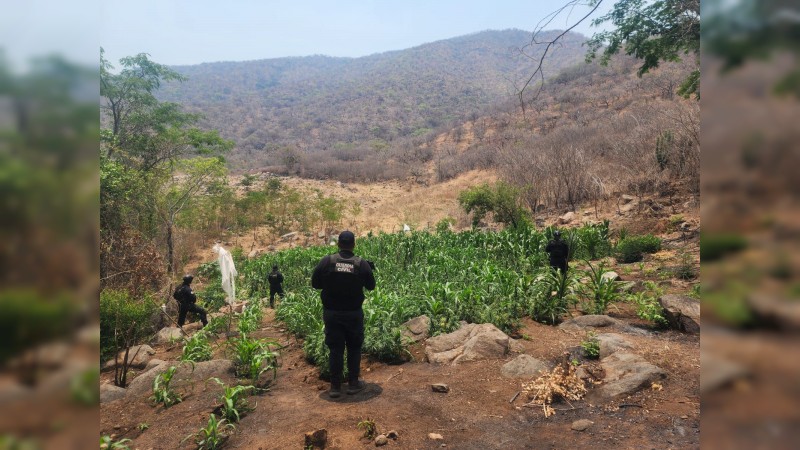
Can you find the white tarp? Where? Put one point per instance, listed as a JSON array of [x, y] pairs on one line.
[[228, 271]]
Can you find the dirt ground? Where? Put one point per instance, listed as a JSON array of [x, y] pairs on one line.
[[475, 414]]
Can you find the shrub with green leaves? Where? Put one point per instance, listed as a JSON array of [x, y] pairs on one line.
[[253, 357], [124, 322], [553, 294], [214, 435], [234, 404], [632, 248], [600, 292], [714, 246], [647, 306], [197, 347], [591, 345], [109, 443], [162, 392]]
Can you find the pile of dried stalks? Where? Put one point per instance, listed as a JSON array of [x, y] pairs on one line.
[[560, 383]]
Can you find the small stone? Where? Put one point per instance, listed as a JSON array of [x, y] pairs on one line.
[[440, 387], [381, 440], [582, 424], [392, 434], [435, 437]]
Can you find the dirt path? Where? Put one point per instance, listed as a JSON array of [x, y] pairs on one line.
[[475, 414]]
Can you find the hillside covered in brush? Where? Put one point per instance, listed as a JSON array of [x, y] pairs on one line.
[[277, 110]]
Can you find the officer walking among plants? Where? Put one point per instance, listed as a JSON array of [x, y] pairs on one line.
[[342, 277], [558, 251], [187, 302], [275, 279]]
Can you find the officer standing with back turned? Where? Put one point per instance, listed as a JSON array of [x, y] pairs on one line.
[[342, 277]]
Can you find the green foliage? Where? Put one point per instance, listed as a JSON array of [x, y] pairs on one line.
[[234, 404], [657, 31], [214, 435], [197, 348], [594, 241], [253, 357], [685, 269], [600, 292], [83, 387], [250, 318], [162, 392], [632, 248], [109, 443], [715, 246], [502, 200], [591, 345], [27, 318], [124, 322], [553, 294], [647, 306], [444, 225], [370, 428]]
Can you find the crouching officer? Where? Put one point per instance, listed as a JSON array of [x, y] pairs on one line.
[[558, 251], [187, 302], [342, 277]]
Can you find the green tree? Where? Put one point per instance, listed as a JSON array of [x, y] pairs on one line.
[[502, 200], [664, 30]]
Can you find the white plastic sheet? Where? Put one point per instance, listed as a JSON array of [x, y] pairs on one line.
[[228, 271]]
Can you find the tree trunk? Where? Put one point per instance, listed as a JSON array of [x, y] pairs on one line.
[[170, 250]]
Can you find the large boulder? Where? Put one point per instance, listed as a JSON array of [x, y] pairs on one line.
[[138, 357], [785, 314], [626, 373], [109, 392], [186, 374], [682, 312], [566, 218], [610, 275], [717, 372], [168, 335], [417, 329], [611, 343], [524, 366], [471, 342]]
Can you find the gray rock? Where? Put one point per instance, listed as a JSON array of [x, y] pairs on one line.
[[581, 424], [185, 374], [435, 436], [717, 372], [626, 373], [515, 345], [153, 363], [591, 320], [471, 342], [682, 312], [774, 310], [289, 236], [524, 366], [417, 329], [566, 218], [611, 343], [138, 357], [610, 275], [109, 392], [381, 440], [440, 387], [168, 334]]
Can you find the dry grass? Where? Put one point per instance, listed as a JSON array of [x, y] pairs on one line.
[[560, 383]]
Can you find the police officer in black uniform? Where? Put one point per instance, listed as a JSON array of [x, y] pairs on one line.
[[275, 279], [343, 277], [558, 251], [187, 302]]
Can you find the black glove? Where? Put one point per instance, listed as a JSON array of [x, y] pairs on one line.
[[371, 264]]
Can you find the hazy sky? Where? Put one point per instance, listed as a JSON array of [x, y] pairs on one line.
[[191, 32]]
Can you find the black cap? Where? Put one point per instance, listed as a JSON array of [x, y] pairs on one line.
[[557, 233], [187, 279], [275, 267], [347, 238]]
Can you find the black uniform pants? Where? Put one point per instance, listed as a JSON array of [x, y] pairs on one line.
[[344, 329], [272, 292], [191, 307], [562, 265]]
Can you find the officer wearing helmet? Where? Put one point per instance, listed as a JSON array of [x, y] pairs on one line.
[[558, 251], [187, 302]]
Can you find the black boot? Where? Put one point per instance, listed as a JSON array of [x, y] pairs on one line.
[[336, 390], [354, 387]]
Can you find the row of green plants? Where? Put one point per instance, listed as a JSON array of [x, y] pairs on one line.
[[473, 276]]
